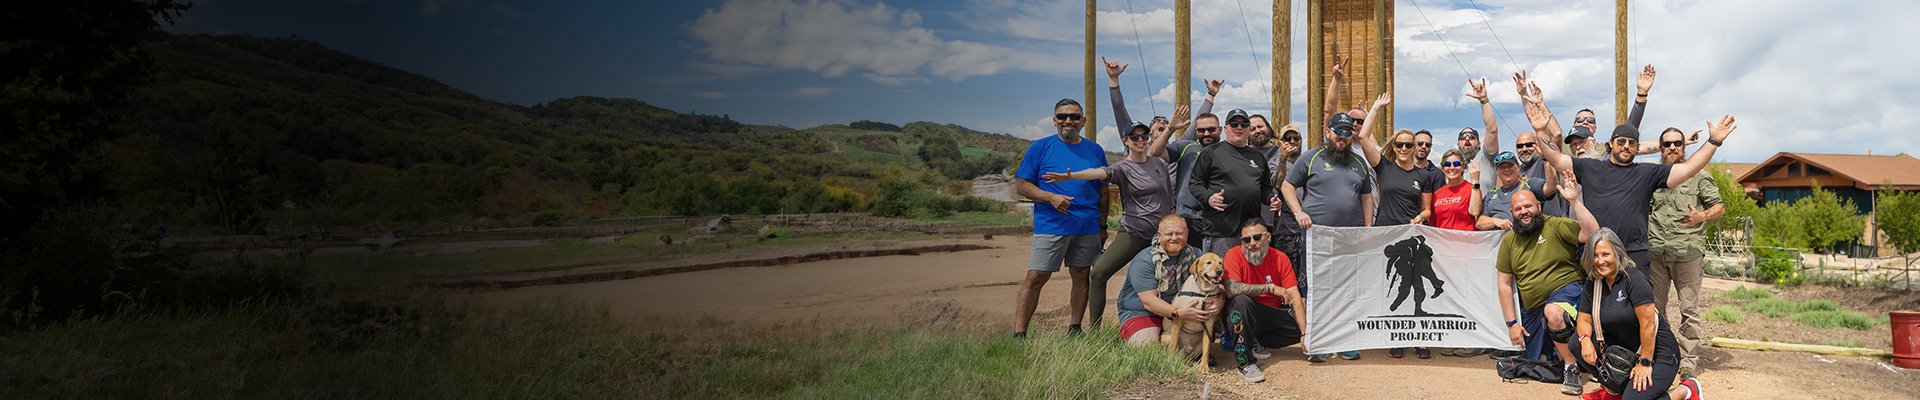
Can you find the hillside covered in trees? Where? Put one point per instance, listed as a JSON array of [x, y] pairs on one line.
[[242, 134]]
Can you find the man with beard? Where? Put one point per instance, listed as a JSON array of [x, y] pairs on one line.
[[1580, 142], [1677, 245], [1280, 155], [1331, 185], [1538, 255], [1496, 207], [1621, 189], [1205, 131], [1264, 311], [1234, 183]]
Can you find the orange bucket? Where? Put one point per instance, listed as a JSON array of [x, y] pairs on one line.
[[1906, 338]]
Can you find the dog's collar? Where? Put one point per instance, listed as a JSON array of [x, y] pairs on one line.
[[1187, 293]]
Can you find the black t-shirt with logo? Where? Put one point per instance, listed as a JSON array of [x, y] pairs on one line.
[[1400, 190], [1618, 321]]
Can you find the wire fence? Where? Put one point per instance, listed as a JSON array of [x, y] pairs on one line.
[[1735, 258]]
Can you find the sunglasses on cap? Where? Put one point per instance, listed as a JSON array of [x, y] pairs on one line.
[[1402, 145], [1466, 134], [1067, 116], [1207, 130], [1505, 157], [1254, 238], [1523, 146], [1588, 120], [1675, 143], [1159, 119], [1453, 164]]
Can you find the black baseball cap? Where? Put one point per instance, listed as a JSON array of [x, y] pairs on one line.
[[1141, 128], [1340, 121], [1579, 132], [1505, 157], [1627, 131], [1236, 113]]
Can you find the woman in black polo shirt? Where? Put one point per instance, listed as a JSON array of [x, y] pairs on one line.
[[1627, 319]]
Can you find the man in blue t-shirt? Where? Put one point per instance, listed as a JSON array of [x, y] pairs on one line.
[[1066, 214]]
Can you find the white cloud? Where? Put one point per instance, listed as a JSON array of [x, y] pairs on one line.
[[887, 44]]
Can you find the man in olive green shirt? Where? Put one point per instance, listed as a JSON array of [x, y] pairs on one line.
[[1538, 257], [1676, 244]]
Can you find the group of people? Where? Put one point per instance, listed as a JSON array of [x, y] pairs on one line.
[[1593, 240]]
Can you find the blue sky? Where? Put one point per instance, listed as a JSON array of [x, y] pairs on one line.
[[1792, 71]]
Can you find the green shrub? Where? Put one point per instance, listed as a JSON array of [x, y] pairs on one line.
[[1835, 319], [1772, 307], [1743, 293], [1777, 266], [1726, 314]]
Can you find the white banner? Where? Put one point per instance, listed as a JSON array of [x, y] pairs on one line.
[[1403, 286]]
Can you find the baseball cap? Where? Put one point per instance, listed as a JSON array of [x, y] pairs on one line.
[[1138, 127], [1236, 113], [1579, 132], [1469, 131], [1505, 157], [1627, 131], [1340, 121]]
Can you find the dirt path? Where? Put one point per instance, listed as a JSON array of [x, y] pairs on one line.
[[878, 290]]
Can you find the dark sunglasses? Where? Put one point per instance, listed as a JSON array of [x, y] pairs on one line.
[[1453, 164], [1343, 132], [1159, 119], [1585, 119], [1067, 116], [1424, 144], [1676, 143], [1625, 141], [1290, 138], [1136, 138], [1241, 124], [1504, 157], [1207, 130], [1357, 121], [1523, 146], [1403, 145], [1255, 238]]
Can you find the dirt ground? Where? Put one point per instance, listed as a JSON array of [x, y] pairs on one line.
[[894, 289]]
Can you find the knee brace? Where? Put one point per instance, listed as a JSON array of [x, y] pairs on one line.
[[1562, 335]]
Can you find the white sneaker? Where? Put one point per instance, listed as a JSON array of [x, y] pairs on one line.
[[1260, 352], [1251, 373]]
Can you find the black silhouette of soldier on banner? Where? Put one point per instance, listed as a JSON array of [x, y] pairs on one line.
[[1409, 261]]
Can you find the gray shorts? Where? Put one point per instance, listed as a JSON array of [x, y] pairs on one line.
[[1078, 251]]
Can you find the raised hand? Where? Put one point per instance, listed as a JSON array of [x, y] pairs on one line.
[[1340, 68], [1180, 120], [1477, 90], [1520, 83], [1569, 188], [1694, 138], [1213, 86], [1114, 68], [1719, 131], [1532, 94], [1646, 80], [1384, 99]]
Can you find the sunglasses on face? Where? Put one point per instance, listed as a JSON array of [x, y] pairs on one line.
[[1343, 132], [1585, 120], [1453, 164], [1523, 146], [1240, 124], [1136, 138], [1067, 116], [1255, 238], [1676, 143], [1357, 121], [1207, 130], [1625, 142], [1403, 145], [1290, 138], [1424, 144]]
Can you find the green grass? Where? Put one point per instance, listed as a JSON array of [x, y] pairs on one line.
[[1725, 314], [1842, 343], [425, 349], [1776, 307], [1743, 293], [1830, 319], [559, 254]]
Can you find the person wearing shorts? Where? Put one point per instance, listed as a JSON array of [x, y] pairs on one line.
[[1153, 279], [1067, 222]]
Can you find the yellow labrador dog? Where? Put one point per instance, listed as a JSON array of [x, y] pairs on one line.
[[1187, 335]]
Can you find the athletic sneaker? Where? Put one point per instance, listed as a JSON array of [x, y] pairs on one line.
[[1466, 352], [1499, 354], [1693, 387], [1423, 353], [1350, 355], [1251, 373], [1260, 352], [1573, 381], [1073, 330], [1316, 358], [1599, 394], [1397, 352]]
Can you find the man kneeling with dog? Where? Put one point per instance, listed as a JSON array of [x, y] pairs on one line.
[[1158, 275]]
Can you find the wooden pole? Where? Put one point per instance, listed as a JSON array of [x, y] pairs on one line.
[[1732, 343], [1620, 62], [1382, 50], [1183, 56], [1090, 70], [1316, 81], [1282, 61]]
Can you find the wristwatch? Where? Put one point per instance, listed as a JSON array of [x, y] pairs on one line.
[[1512, 322], [1646, 362]]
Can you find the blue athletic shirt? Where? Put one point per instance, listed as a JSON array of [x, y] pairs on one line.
[[1050, 154]]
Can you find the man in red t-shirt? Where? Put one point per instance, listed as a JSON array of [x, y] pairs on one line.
[[1264, 311]]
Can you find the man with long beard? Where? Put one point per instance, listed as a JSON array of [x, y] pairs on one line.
[[1538, 255], [1677, 243]]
